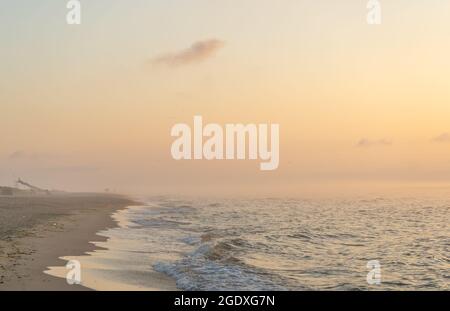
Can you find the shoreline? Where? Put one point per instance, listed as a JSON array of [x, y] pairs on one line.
[[37, 231]]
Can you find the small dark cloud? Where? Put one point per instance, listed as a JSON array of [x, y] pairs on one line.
[[364, 142], [16, 155], [443, 138], [197, 52]]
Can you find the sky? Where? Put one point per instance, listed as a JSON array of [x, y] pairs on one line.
[[88, 107]]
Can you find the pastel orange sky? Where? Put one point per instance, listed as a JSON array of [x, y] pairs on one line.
[[90, 107]]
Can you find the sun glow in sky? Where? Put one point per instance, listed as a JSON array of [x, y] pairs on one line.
[[91, 106]]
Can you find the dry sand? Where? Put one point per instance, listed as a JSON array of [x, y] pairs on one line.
[[36, 230]]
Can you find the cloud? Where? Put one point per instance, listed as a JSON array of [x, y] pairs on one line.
[[20, 155], [197, 52], [443, 138], [364, 142], [16, 155]]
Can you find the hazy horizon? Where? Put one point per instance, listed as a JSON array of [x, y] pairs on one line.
[[89, 107]]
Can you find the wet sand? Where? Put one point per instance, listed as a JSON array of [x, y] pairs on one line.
[[35, 231]]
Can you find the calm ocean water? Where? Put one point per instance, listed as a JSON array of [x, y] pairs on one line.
[[282, 244]]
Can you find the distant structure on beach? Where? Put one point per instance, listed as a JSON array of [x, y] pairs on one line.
[[30, 187], [22, 187]]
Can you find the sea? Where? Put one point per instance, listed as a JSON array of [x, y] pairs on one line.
[[277, 244]]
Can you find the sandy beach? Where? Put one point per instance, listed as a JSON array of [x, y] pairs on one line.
[[36, 230]]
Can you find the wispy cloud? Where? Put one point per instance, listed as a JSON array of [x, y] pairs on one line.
[[20, 155], [197, 52], [443, 138], [16, 155], [364, 142]]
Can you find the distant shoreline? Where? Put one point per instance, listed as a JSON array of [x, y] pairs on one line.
[[35, 230]]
